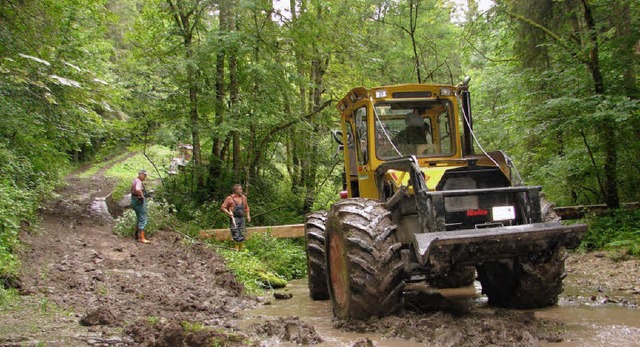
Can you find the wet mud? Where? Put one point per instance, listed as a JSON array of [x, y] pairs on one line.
[[81, 285]]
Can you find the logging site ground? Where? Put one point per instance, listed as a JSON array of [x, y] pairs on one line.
[[82, 285]]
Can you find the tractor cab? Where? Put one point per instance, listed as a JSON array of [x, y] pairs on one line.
[[387, 123]]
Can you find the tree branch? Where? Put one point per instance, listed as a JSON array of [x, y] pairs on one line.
[[593, 162], [295, 121], [284, 126], [555, 37]]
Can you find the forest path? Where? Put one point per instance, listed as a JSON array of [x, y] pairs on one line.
[[83, 285]]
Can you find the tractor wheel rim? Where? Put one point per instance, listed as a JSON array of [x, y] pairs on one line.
[[338, 270]]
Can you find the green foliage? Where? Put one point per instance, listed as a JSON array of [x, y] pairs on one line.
[[546, 113], [125, 171], [619, 231], [21, 189], [267, 262], [271, 280], [191, 326], [248, 269], [286, 257], [273, 203], [159, 214], [7, 296], [102, 164], [56, 103]]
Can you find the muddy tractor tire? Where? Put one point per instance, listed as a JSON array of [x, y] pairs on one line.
[[524, 282], [457, 277], [363, 260], [314, 232]]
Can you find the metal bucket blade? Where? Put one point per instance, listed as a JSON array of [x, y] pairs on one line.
[[473, 246]]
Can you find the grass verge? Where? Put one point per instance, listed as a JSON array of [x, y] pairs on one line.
[[266, 262], [619, 231]]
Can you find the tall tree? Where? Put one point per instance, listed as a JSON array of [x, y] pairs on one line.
[[562, 44], [187, 16]]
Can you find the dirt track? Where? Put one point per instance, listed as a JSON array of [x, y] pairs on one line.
[[82, 285]]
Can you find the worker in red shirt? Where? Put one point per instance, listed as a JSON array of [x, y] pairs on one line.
[[237, 208]]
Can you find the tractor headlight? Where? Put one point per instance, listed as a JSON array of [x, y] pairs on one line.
[[445, 91]]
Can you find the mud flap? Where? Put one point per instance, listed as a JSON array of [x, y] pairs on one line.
[[474, 246]]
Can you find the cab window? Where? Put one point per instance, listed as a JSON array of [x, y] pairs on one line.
[[360, 117]]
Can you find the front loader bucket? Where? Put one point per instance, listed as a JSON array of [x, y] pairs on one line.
[[474, 246]]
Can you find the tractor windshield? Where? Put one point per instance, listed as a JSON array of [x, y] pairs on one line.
[[416, 127]]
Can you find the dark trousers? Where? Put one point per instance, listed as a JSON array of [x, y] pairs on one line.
[[238, 232]]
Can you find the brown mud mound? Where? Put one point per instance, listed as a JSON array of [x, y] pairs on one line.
[[287, 329], [74, 199], [603, 279], [84, 268], [176, 333], [75, 263], [99, 316], [489, 328]]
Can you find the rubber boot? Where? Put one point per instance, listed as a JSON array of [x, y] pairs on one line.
[[142, 239], [136, 235], [241, 246], [237, 246]]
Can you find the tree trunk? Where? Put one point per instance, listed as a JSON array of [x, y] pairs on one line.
[[319, 68], [233, 98], [608, 133], [195, 121], [413, 20], [220, 87], [182, 18]]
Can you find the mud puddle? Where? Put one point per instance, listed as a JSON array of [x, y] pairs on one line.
[[99, 209], [319, 315], [572, 323], [595, 325]]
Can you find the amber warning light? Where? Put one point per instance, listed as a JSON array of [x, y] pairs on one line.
[[476, 213]]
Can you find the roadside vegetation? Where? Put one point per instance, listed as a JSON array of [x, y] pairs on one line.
[[22, 188], [618, 232], [266, 262]]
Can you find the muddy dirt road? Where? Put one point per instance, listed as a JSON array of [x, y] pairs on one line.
[[83, 286]]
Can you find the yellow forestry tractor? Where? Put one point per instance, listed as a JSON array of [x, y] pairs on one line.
[[420, 206]]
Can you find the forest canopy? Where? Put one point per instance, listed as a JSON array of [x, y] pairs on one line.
[[253, 84]]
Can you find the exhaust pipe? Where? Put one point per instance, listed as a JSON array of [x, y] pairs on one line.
[[467, 137]]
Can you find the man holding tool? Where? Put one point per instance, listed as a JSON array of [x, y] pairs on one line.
[[237, 207]]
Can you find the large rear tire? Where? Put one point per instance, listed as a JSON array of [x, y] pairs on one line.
[[314, 231], [524, 282], [363, 260]]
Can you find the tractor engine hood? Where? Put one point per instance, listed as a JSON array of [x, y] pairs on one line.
[[432, 176]]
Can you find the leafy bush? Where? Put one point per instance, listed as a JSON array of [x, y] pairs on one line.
[[208, 215], [286, 257], [620, 230], [21, 189], [269, 262], [159, 214], [251, 271]]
